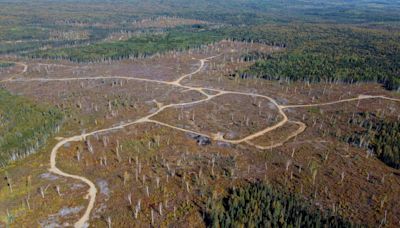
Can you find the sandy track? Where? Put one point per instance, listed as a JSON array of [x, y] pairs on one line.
[[360, 97], [293, 134], [24, 69], [92, 188]]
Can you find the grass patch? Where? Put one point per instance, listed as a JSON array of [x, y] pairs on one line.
[[314, 110]]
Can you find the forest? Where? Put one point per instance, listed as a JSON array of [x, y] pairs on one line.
[[259, 205], [327, 53], [24, 126], [380, 136], [138, 46]]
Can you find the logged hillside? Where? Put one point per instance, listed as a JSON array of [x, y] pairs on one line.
[[206, 113]]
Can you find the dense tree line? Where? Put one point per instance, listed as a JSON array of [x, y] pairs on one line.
[[6, 64], [24, 126], [255, 56], [12, 33], [329, 53], [258, 205], [381, 137], [137, 46]]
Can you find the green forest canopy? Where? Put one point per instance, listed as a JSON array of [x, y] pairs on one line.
[[24, 126], [258, 205], [380, 136], [328, 53]]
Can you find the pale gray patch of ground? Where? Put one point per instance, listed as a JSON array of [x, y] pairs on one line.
[[53, 220], [48, 176], [103, 185]]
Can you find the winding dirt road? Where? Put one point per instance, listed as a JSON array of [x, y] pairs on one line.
[[24, 69], [83, 221]]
